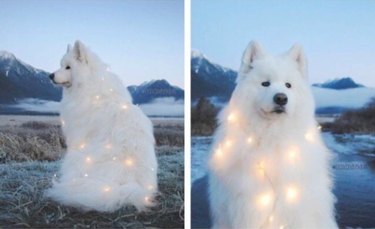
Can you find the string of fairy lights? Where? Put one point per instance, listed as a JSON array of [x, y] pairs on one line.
[[129, 162], [267, 199]]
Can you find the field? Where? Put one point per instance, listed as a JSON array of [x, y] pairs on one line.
[[31, 148]]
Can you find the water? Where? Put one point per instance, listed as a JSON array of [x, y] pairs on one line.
[[354, 173]]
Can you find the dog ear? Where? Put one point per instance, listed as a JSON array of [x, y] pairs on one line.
[[253, 52], [79, 50], [68, 48], [296, 53]]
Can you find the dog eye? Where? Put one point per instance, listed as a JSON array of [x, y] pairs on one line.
[[266, 84], [67, 67], [288, 85]]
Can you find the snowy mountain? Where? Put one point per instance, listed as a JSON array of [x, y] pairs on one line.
[[339, 84], [154, 89], [19, 80], [335, 96], [209, 79]]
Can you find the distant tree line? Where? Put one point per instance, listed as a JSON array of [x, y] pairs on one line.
[[355, 121], [203, 117]]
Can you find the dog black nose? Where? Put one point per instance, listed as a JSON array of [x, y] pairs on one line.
[[280, 99], [51, 76]]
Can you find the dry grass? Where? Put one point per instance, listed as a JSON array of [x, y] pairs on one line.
[[41, 141], [30, 155]]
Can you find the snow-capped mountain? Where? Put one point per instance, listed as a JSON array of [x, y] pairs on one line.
[[339, 84], [19, 80], [213, 81], [148, 91], [209, 79]]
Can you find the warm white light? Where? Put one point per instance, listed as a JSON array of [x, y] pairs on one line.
[[292, 154], [82, 146], [129, 162], [291, 193], [231, 117], [150, 187], [88, 159], [111, 90], [147, 199], [309, 136], [271, 218], [124, 107], [97, 97], [108, 146], [218, 153], [249, 140], [106, 189], [265, 199], [282, 227], [228, 143], [114, 158]]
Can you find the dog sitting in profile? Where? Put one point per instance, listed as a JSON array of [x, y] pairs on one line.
[[110, 160]]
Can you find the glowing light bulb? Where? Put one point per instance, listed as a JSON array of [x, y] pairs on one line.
[[82, 145], [319, 127], [249, 140], [124, 107], [228, 143], [282, 227], [218, 153], [111, 90], [309, 136], [86, 175], [114, 158], [97, 97], [147, 199], [265, 199], [271, 218], [88, 159], [292, 154], [62, 122], [106, 189], [291, 193], [55, 175], [129, 162], [231, 117]]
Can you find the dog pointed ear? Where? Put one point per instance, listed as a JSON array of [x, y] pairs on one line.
[[79, 50], [253, 52], [68, 48], [297, 54]]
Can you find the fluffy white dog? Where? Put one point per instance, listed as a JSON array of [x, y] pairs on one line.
[[269, 167], [110, 160]]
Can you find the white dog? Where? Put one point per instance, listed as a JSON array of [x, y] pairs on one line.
[[110, 160], [269, 167]]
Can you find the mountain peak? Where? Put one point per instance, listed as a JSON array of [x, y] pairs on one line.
[[339, 83], [6, 55], [195, 53]]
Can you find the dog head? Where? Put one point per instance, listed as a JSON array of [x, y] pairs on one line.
[[74, 63], [273, 86]]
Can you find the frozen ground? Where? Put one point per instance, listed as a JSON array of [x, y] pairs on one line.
[[354, 176], [30, 152]]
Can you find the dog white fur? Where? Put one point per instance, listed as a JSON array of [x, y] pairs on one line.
[[110, 160], [269, 167]]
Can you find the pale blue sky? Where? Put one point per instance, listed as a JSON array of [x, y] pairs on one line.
[[338, 36], [140, 39]]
